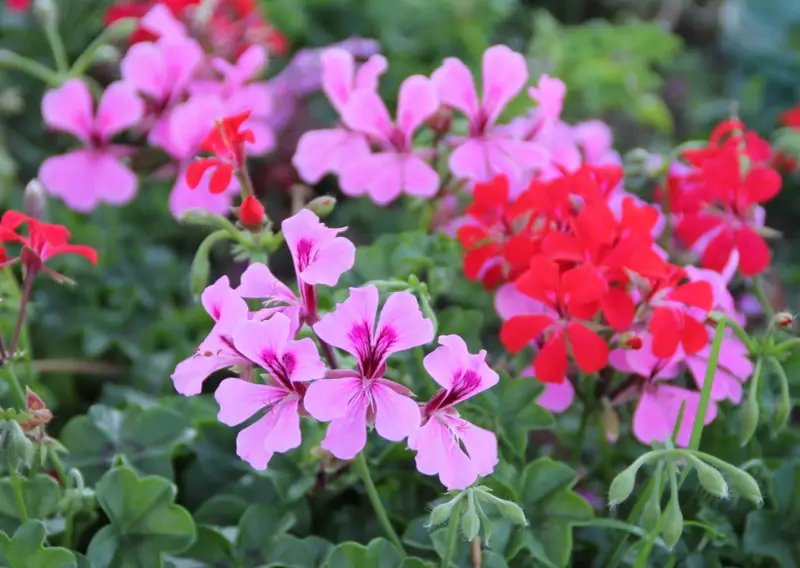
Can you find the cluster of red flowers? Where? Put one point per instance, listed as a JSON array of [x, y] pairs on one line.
[[584, 254]]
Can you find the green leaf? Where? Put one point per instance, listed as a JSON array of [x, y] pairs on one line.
[[41, 494], [379, 552], [145, 522], [767, 534], [211, 549], [147, 438], [26, 549], [288, 551]]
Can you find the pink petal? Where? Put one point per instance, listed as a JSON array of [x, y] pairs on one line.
[[249, 65], [403, 324], [264, 137], [650, 421], [255, 97], [347, 435], [283, 431], [595, 137], [238, 400], [557, 397], [69, 108], [264, 342], [368, 74], [428, 441], [470, 160], [181, 58], [250, 445], [366, 113], [510, 302], [329, 399], [320, 256], [512, 157], [481, 446], [183, 198], [416, 102], [320, 152], [119, 109], [419, 178], [257, 281], [443, 363], [724, 386], [160, 21], [190, 373], [234, 311], [456, 471], [144, 68], [351, 320], [456, 87], [307, 364], [549, 94], [338, 70], [214, 296], [396, 416], [332, 260], [384, 173], [504, 74], [189, 123]]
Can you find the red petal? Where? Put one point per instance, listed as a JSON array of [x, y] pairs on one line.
[[195, 171], [692, 227], [13, 219], [588, 348], [476, 259], [762, 184], [583, 284], [718, 251], [694, 335], [664, 325], [517, 332], [697, 294], [542, 277], [618, 308], [561, 246], [221, 178], [551, 362], [81, 250], [754, 254]]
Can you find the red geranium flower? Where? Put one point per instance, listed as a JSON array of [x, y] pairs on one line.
[[226, 142], [18, 5]]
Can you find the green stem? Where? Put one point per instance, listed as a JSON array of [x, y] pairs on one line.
[[57, 47], [15, 386], [784, 346], [11, 60], [69, 531], [55, 461], [19, 500], [763, 299], [708, 382], [452, 535], [362, 468]]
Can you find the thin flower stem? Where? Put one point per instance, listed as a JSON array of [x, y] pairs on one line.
[[708, 382], [16, 387], [328, 353], [27, 288], [55, 461], [362, 468], [452, 535], [57, 47], [16, 487], [11, 60], [762, 298], [246, 181]]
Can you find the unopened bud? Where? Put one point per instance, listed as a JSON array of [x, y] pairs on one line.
[[746, 485], [630, 340], [672, 528], [106, 54], [470, 522], [610, 421], [252, 214], [19, 451], [121, 29], [508, 509], [711, 479], [441, 513], [322, 205], [623, 484], [441, 121], [782, 410], [34, 200], [45, 13], [714, 318], [784, 320], [652, 510], [38, 411]]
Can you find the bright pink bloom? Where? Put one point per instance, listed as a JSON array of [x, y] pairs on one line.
[[438, 442], [396, 168], [556, 397], [258, 282], [487, 151], [733, 368], [270, 345], [92, 175], [349, 404], [216, 352], [321, 152]]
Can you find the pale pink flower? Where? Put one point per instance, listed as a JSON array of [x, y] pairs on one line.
[[487, 151], [350, 403], [289, 364], [320, 256], [733, 368], [86, 177], [396, 168], [160, 22], [556, 397], [438, 441], [259, 282], [216, 352], [321, 152]]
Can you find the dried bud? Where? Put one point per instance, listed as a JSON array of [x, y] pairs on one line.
[[322, 205], [673, 522], [623, 484], [34, 199], [784, 320], [252, 214], [746, 485], [441, 121], [38, 411]]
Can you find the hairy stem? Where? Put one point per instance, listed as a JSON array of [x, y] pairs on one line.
[[452, 535]]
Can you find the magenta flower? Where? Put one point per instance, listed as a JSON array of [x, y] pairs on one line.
[[86, 177], [487, 150], [217, 351], [350, 403], [270, 345], [396, 168], [556, 397], [320, 256], [438, 442], [258, 281], [321, 152]]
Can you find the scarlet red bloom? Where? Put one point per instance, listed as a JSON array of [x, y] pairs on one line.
[[18, 5], [43, 242], [791, 117], [566, 296], [226, 142], [251, 213], [122, 10]]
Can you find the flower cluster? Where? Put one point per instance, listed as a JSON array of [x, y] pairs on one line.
[[296, 381]]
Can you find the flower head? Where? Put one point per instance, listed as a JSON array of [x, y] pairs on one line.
[[226, 141]]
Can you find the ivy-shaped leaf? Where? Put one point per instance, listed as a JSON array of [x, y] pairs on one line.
[[41, 494], [379, 552], [262, 527], [145, 522], [26, 549], [147, 438]]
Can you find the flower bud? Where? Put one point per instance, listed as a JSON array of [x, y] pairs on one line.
[[106, 54], [322, 205], [34, 200], [711, 479], [18, 450], [441, 513], [252, 214], [746, 485], [45, 13], [672, 528], [441, 121], [750, 415], [783, 320], [782, 410], [508, 509], [652, 510], [622, 485], [610, 421], [470, 522], [630, 340]]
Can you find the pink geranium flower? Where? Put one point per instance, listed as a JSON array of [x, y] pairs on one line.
[[92, 175], [321, 152], [487, 150], [438, 442], [350, 403], [258, 281], [217, 351], [289, 364], [396, 168]]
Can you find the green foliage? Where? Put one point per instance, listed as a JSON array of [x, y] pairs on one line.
[[26, 549], [40, 494]]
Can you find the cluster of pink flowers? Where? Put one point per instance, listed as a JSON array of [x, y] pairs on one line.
[[263, 344]]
